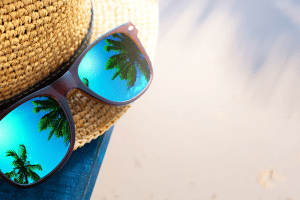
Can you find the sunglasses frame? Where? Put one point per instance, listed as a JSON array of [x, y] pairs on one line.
[[66, 85]]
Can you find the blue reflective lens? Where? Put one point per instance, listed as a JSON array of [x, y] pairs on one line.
[[115, 68], [34, 138]]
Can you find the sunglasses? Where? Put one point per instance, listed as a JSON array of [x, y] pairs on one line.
[[37, 133]]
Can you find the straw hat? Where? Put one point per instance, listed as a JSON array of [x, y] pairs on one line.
[[40, 39]]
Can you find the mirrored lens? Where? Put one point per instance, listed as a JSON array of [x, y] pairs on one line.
[[34, 138], [115, 68]]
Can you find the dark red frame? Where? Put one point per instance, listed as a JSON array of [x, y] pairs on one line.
[[70, 81]]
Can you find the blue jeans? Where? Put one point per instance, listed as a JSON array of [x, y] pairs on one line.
[[75, 180]]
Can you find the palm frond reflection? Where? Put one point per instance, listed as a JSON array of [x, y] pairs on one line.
[[128, 59], [23, 171], [55, 119]]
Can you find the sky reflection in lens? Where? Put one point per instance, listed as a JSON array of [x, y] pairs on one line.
[[115, 68], [20, 127]]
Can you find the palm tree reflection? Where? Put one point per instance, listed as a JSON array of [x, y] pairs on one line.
[[128, 59], [23, 170], [85, 81], [55, 119]]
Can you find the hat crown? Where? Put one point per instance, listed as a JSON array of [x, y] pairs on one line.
[[36, 37]]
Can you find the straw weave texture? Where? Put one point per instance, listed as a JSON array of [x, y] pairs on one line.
[[36, 37], [26, 57]]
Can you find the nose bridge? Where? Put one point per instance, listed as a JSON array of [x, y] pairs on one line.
[[64, 84]]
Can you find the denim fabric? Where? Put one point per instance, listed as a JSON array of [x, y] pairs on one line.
[[75, 180]]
